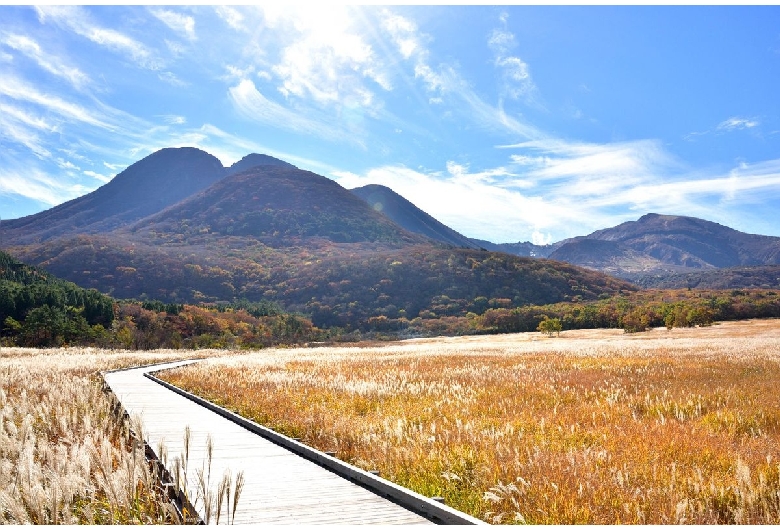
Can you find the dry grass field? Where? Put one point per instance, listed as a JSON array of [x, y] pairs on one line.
[[64, 457], [594, 427]]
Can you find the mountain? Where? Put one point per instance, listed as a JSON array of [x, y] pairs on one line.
[[254, 160], [612, 257], [266, 230], [277, 204], [412, 218], [146, 187], [661, 244], [407, 215], [149, 185]]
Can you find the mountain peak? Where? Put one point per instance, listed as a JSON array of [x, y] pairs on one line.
[[279, 205], [253, 160], [650, 217], [153, 183]]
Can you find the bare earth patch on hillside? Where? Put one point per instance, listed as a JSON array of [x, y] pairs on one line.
[[594, 426]]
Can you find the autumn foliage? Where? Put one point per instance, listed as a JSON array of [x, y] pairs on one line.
[[592, 427]]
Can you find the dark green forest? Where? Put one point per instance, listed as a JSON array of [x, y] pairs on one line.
[[40, 310]]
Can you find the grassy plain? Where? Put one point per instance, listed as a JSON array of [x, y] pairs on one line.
[[594, 426], [65, 458]]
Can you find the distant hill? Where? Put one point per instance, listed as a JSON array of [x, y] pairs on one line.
[[149, 185], [607, 256], [663, 251], [522, 248], [668, 244], [756, 277], [390, 204]]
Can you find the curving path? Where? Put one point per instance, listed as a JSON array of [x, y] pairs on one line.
[[280, 486]]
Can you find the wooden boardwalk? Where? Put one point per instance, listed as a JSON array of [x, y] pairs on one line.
[[280, 486]]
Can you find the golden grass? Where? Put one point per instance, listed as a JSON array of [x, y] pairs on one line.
[[594, 427], [64, 456]]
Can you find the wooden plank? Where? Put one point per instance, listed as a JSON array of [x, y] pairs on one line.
[[280, 487]]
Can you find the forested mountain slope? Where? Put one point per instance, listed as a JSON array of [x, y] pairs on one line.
[[266, 230]]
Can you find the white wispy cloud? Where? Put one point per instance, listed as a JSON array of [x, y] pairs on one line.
[[171, 79], [97, 176], [516, 74], [173, 119], [80, 22], [736, 123], [558, 159], [182, 24], [403, 32], [17, 133], [447, 87], [231, 16], [495, 118], [22, 116], [38, 186], [255, 106], [713, 197], [468, 202], [409, 43], [501, 41], [19, 90], [114, 167], [328, 60], [236, 73], [46, 60], [67, 165]]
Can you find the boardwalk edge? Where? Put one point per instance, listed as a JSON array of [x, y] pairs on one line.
[[176, 497], [428, 508]]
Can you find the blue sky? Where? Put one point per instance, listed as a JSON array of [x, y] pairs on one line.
[[508, 123]]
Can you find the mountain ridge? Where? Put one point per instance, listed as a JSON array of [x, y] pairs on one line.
[[274, 202], [657, 243], [264, 229], [147, 186], [275, 232], [152, 183]]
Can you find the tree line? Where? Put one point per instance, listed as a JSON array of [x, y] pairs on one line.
[[40, 310], [633, 312]]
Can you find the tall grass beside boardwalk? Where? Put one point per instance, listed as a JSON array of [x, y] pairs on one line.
[[65, 457], [595, 427]]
